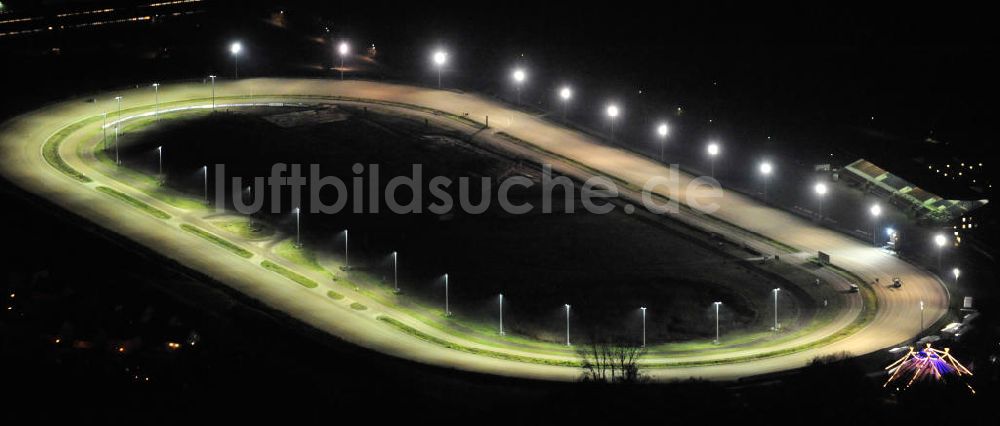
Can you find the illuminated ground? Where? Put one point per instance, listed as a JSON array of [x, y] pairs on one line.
[[896, 320], [606, 266]]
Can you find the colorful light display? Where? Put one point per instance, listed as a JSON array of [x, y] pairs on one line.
[[924, 364]]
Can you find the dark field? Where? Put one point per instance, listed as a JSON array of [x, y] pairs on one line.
[[605, 266]]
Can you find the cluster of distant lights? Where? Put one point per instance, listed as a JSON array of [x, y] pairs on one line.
[[97, 23], [766, 168], [958, 171], [713, 148]]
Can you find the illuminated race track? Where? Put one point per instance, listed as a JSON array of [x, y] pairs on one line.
[[50, 174]]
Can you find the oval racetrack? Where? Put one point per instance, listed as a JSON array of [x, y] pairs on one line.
[[897, 319]]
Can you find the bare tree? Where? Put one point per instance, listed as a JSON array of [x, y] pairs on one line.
[[607, 361]]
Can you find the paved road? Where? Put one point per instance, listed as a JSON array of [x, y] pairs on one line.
[[21, 162]]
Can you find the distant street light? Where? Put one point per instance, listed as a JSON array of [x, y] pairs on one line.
[[875, 211], [519, 77], [249, 200], [104, 128], [940, 240], [775, 291], [347, 259], [820, 190], [765, 170], [501, 314], [118, 123], [565, 94], [440, 57], [956, 273], [213, 91], [447, 311], [343, 49], [713, 151], [567, 325], [395, 271], [717, 305], [235, 49], [204, 171], [643, 326], [159, 152], [662, 131], [298, 227], [612, 111], [156, 97]]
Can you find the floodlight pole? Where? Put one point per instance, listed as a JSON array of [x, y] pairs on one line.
[[118, 123], [776, 308], [156, 96], [447, 311], [395, 271], [643, 326], [567, 325], [213, 91], [204, 170], [501, 314]]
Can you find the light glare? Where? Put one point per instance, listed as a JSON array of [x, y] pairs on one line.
[[519, 75], [612, 111], [565, 93]]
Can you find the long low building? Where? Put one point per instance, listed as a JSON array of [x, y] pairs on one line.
[[898, 191]]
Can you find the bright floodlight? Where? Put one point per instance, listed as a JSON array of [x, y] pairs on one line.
[[766, 168], [713, 149], [662, 129], [820, 188], [876, 210], [519, 75], [612, 111], [343, 48], [565, 93], [440, 57], [235, 48], [940, 240], [956, 272], [890, 231]]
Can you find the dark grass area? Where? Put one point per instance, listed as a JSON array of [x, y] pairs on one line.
[[605, 266]]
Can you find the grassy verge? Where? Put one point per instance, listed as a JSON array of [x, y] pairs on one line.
[[460, 118], [134, 202], [217, 240], [242, 228], [628, 185], [50, 150], [300, 256], [475, 351], [290, 274]]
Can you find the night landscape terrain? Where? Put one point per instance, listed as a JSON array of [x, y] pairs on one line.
[[846, 272]]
